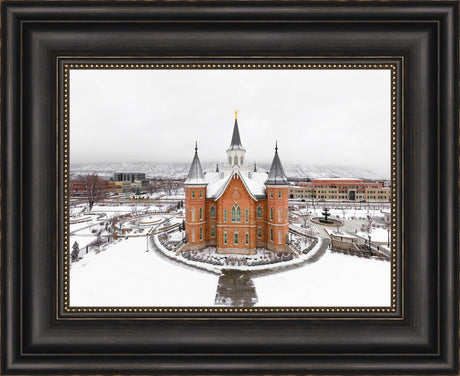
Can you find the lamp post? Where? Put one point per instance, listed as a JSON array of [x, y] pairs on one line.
[[388, 231], [147, 237], [370, 248]]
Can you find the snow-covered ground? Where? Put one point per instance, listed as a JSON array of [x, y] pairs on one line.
[[335, 280], [378, 235], [126, 275]]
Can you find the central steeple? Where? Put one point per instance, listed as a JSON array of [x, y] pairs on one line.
[[235, 144], [236, 152]]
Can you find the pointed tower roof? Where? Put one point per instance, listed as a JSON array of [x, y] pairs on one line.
[[217, 167], [195, 175], [236, 140], [255, 167], [276, 176]]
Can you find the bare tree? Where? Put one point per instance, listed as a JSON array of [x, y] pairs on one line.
[[304, 220], [93, 187], [151, 188], [368, 226]]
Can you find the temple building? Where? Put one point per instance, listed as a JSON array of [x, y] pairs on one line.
[[236, 209]]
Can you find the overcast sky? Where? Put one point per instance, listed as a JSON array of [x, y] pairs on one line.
[[318, 117]]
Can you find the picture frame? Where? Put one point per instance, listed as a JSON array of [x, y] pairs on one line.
[[419, 336]]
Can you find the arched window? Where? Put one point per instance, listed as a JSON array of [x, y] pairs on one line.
[[213, 231], [201, 233], [225, 215], [201, 214], [247, 237], [271, 214], [280, 214], [236, 238], [259, 232], [271, 234], [241, 160], [236, 213], [225, 237], [235, 160], [259, 212], [246, 214], [213, 212]]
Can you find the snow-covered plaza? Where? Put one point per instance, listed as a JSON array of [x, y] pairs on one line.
[[136, 269]]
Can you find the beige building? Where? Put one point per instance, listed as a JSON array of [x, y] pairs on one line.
[[341, 189]]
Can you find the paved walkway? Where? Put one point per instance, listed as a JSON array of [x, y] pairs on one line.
[[322, 250]]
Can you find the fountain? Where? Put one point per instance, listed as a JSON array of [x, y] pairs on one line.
[[326, 214], [327, 221]]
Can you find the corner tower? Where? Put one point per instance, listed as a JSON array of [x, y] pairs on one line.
[[277, 206], [195, 204]]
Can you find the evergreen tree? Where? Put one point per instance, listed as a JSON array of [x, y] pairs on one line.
[[75, 251]]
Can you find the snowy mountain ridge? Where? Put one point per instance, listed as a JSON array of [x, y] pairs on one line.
[[180, 170]]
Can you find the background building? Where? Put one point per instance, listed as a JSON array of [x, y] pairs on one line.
[[128, 176], [341, 189]]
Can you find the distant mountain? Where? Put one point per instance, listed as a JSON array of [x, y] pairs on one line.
[[180, 170]]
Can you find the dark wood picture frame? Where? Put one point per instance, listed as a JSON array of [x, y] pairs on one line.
[[420, 337]]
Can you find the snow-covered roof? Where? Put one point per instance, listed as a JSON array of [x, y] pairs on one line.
[[254, 186], [212, 176], [216, 186], [259, 177]]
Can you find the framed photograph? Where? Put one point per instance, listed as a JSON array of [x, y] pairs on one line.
[[180, 232], [232, 187]]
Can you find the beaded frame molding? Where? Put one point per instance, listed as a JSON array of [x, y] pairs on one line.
[[63, 255]]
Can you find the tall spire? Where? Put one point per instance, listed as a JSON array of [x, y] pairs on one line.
[[276, 176], [255, 167], [217, 167], [236, 140], [195, 175]]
